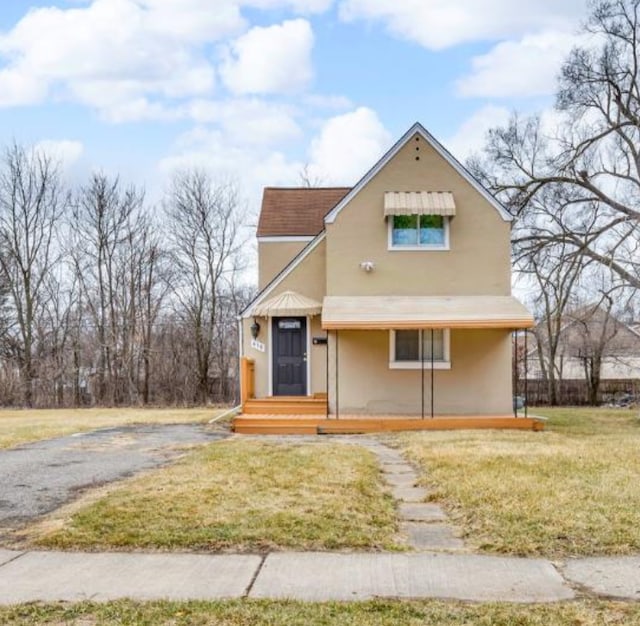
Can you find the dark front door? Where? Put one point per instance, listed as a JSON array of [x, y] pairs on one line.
[[289, 356]]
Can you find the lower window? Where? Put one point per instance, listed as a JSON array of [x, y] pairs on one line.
[[413, 349]]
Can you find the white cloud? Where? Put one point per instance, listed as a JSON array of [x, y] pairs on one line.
[[321, 101], [270, 59], [523, 68], [438, 24], [250, 121], [114, 55], [215, 152], [299, 6], [18, 88], [347, 146], [344, 149], [65, 151], [470, 136]]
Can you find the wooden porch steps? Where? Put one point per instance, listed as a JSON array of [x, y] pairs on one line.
[[286, 405], [308, 425], [245, 426]]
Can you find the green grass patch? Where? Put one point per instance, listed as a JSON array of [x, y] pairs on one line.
[[26, 425], [239, 496], [572, 490], [283, 613]]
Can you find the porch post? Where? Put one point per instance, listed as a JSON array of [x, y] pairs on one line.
[[326, 386], [526, 375], [422, 369], [337, 383], [432, 373], [514, 354]]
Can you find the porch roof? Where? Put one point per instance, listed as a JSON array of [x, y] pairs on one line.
[[389, 312]]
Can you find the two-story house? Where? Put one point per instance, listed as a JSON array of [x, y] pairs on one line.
[[387, 300]]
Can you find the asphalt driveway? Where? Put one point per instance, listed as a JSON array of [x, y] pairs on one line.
[[39, 477]]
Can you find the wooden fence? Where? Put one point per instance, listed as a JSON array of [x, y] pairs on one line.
[[575, 393]]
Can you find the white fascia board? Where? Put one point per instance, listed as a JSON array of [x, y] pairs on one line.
[[310, 247], [285, 238], [441, 150]]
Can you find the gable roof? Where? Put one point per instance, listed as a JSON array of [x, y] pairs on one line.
[[441, 150], [290, 211], [273, 220], [284, 272]]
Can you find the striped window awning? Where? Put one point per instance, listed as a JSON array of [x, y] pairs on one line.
[[419, 203]]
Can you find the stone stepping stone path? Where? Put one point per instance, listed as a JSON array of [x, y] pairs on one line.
[[424, 524]]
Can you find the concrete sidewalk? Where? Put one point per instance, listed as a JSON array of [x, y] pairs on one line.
[[73, 576]]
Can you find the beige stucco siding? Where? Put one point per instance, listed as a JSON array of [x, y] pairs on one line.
[[273, 256], [478, 383], [477, 263], [308, 279]]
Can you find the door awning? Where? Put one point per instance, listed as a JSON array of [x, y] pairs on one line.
[[288, 303], [419, 203], [389, 312]]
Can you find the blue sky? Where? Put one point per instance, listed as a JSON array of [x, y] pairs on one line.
[[257, 89]]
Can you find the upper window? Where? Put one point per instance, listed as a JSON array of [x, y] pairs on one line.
[[418, 232], [410, 349]]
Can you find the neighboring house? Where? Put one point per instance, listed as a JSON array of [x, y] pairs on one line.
[[595, 348], [389, 298]]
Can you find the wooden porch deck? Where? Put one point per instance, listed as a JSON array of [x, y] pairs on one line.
[[296, 424], [307, 415]]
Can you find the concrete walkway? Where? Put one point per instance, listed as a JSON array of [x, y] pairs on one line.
[[312, 576]]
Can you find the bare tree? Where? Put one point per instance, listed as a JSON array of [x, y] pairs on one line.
[[55, 334], [555, 276], [590, 162], [595, 335], [154, 283], [309, 178], [110, 231], [31, 204], [203, 227]]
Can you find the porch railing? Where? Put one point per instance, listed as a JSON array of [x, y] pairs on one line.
[[247, 380]]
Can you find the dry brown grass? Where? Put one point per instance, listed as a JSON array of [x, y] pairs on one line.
[[239, 496], [571, 490], [289, 613], [23, 426]]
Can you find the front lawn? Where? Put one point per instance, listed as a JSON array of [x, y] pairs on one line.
[[25, 425], [238, 495], [283, 613], [572, 490]]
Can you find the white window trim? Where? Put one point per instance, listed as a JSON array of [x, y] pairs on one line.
[[391, 247], [417, 365]]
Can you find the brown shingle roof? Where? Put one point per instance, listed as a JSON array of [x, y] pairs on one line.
[[297, 211]]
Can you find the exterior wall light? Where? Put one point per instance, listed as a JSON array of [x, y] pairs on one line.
[[255, 328], [367, 266]]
